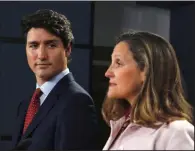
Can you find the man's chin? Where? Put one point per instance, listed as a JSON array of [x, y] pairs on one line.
[[44, 76]]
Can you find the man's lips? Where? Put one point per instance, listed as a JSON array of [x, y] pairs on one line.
[[43, 65]]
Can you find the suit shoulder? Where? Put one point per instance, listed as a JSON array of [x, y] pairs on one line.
[[77, 89], [78, 94]]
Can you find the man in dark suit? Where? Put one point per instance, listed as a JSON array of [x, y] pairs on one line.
[[60, 115]]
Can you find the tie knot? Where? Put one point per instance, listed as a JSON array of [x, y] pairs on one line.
[[37, 93]]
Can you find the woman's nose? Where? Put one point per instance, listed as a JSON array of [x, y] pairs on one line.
[[109, 73]]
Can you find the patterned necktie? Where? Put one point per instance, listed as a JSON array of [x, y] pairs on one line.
[[32, 108]]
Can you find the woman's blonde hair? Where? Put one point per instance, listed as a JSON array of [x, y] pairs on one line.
[[161, 98]]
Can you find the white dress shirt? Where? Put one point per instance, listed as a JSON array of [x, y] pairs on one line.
[[49, 85]]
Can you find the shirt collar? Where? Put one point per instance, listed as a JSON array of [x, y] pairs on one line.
[[49, 85]]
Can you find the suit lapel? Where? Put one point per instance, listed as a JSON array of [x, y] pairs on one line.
[[115, 128], [22, 108], [48, 104]]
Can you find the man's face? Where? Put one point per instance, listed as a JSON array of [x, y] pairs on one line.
[[46, 54]]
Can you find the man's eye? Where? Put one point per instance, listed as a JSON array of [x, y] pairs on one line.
[[52, 45], [33, 46]]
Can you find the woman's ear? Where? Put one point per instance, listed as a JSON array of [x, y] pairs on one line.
[[143, 75]]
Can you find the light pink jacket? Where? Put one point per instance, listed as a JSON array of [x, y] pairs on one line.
[[178, 135]]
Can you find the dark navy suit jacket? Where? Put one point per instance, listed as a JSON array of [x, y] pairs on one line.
[[66, 120]]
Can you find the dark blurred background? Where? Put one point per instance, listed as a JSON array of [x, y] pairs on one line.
[[95, 26]]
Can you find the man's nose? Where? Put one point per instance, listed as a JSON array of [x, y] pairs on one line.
[[42, 53]]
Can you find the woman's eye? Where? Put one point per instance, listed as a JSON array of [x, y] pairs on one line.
[[118, 62]]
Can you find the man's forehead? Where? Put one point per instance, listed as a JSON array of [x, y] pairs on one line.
[[40, 33]]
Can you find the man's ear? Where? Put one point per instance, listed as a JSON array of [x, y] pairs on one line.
[[68, 49]]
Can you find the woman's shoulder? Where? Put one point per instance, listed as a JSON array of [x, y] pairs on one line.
[[180, 125], [178, 134], [178, 128]]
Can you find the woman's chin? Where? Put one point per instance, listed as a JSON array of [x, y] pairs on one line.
[[111, 95]]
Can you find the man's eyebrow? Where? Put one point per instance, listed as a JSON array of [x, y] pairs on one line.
[[32, 42], [51, 41]]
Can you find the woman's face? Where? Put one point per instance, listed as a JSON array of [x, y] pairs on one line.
[[125, 77]]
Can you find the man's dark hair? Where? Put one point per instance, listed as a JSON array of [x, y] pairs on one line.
[[51, 21]]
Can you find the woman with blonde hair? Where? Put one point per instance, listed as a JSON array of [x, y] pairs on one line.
[[145, 104]]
